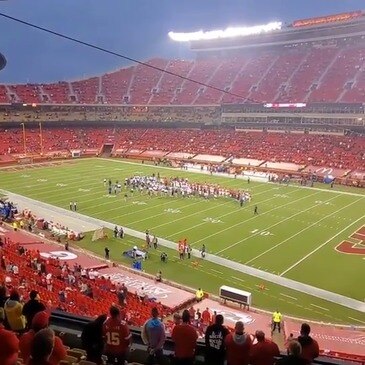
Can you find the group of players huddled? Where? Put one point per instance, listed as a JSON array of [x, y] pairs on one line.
[[155, 185]]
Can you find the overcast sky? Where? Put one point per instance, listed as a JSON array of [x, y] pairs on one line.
[[137, 28]]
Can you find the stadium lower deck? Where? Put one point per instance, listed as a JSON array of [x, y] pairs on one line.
[[335, 339]]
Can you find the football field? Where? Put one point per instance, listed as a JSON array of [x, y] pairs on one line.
[[313, 236]]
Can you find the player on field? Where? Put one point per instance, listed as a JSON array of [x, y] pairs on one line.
[[117, 337], [203, 251], [107, 252], [256, 210]]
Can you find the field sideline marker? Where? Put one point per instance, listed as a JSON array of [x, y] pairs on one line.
[[357, 320], [288, 296], [317, 306], [323, 244], [235, 278]]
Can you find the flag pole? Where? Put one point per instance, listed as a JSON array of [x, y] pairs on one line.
[[24, 139], [41, 137]]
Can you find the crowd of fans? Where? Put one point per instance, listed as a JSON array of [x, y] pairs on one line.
[[109, 337], [74, 289], [346, 152]]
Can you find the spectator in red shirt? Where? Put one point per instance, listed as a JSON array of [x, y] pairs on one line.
[[264, 351], [192, 312], [206, 317], [310, 348], [42, 348], [184, 336], [40, 322], [9, 343], [117, 337], [214, 316], [238, 346]]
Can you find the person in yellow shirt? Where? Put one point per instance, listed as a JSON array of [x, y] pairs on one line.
[[276, 321], [199, 295]]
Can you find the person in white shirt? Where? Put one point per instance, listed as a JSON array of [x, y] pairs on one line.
[[93, 274], [141, 294], [83, 288], [71, 279], [15, 270], [49, 282]]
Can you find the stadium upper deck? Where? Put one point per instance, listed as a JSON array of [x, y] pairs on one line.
[[323, 62], [317, 29]]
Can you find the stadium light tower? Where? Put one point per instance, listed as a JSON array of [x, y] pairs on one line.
[[231, 32]]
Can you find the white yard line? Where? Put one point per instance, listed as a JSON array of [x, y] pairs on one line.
[[317, 306], [235, 278], [216, 271], [158, 215], [266, 228], [288, 296], [205, 210], [60, 178], [323, 244], [224, 215], [357, 320], [296, 234]]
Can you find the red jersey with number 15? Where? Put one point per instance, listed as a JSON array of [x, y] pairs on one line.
[[117, 336]]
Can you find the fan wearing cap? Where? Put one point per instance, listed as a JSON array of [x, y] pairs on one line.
[[13, 310], [32, 307], [9, 343], [41, 321]]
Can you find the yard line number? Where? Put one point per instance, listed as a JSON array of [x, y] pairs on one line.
[[262, 233]]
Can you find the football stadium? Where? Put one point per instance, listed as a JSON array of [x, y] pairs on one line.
[[142, 207]]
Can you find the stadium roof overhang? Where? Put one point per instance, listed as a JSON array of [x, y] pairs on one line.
[[285, 37]]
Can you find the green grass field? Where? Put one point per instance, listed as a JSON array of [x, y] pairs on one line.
[[294, 235]]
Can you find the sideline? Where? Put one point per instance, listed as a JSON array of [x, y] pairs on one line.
[[354, 304]]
